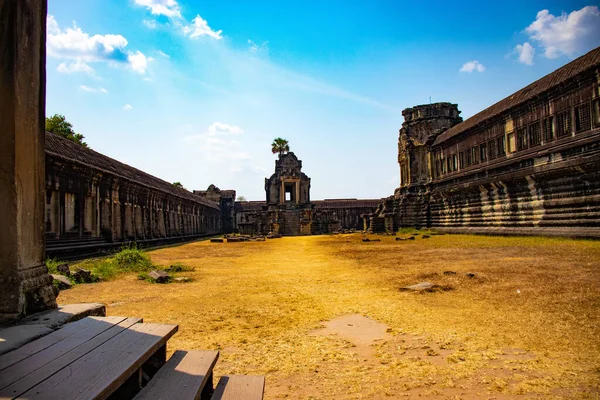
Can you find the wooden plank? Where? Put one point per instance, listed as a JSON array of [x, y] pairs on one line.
[[100, 372], [70, 329], [27, 382], [182, 377], [240, 387], [38, 360]]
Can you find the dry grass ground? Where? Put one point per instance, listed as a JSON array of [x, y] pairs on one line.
[[527, 325]]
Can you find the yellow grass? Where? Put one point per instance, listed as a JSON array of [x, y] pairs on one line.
[[528, 323]]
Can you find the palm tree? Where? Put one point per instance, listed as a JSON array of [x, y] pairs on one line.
[[280, 146]]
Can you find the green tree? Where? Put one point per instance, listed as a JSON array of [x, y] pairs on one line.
[[280, 146], [241, 198], [59, 125], [178, 184]]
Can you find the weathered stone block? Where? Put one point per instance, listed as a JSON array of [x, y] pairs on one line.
[[159, 276], [63, 282]]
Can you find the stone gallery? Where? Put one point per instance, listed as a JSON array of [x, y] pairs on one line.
[[528, 164]]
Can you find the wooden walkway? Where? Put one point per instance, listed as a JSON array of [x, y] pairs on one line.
[[111, 357]]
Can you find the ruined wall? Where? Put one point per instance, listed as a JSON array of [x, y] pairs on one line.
[[323, 216], [226, 201], [91, 195], [344, 213]]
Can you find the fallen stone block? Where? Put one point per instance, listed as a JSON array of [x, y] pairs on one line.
[[449, 273], [182, 279], [159, 276], [425, 237], [425, 287], [63, 269], [260, 239], [83, 276], [62, 281], [233, 240], [419, 287], [216, 240], [405, 238], [470, 275]]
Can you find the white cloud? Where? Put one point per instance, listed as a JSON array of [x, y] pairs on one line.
[[127, 107], [219, 128], [570, 34], [74, 44], [168, 8], [93, 90], [199, 27], [165, 55], [525, 52], [255, 48], [77, 66], [150, 24], [138, 61], [471, 66], [217, 145]]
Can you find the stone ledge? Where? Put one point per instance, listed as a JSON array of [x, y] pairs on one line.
[[43, 323], [574, 233], [64, 314], [13, 337]]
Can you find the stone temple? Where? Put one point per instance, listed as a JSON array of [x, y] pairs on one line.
[[289, 211], [529, 164], [526, 165]]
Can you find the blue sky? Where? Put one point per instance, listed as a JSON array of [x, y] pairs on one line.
[[195, 91]]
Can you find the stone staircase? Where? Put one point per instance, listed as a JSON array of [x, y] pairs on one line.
[[291, 222]]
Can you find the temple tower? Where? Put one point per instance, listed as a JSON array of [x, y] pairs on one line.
[[422, 124], [288, 197], [288, 186]]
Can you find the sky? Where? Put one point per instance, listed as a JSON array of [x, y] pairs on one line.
[[195, 91]]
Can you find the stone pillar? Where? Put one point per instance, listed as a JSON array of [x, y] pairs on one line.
[[25, 286]]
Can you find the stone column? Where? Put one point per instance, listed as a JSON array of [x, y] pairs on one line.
[[25, 286]]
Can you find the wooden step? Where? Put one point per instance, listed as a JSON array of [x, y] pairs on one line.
[[29, 371], [240, 387], [186, 376], [98, 373]]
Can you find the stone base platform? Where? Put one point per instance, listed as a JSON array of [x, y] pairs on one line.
[[569, 232], [43, 323]]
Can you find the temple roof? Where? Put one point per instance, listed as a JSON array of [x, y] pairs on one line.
[[57, 146], [347, 203], [581, 64]]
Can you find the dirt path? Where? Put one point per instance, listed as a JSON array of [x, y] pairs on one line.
[[322, 317]]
